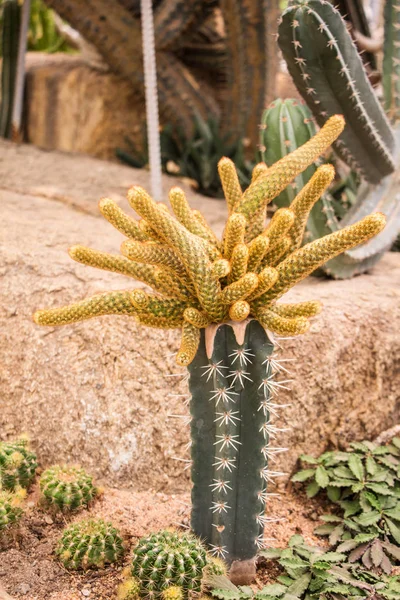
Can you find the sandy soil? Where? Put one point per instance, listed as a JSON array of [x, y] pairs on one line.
[[30, 571]]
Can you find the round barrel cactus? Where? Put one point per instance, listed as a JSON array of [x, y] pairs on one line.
[[10, 508], [67, 488], [90, 543], [168, 559], [17, 465]]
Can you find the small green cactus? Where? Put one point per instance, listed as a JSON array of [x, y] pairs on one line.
[[129, 589], [17, 465], [90, 543], [168, 559], [67, 488], [10, 507]]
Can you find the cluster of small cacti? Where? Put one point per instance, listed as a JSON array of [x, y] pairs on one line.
[[90, 543], [17, 465], [67, 488], [169, 565], [11, 507]]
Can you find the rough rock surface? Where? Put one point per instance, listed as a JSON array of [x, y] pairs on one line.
[[98, 392]]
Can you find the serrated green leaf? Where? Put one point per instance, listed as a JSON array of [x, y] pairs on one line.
[[273, 589], [336, 535], [347, 546], [393, 513], [369, 518], [380, 488], [394, 530], [307, 458], [225, 594], [333, 557], [356, 467], [376, 553], [371, 465], [296, 540], [324, 529], [333, 493], [321, 476], [361, 446], [396, 442], [312, 489], [271, 553], [350, 507], [299, 587], [303, 475]]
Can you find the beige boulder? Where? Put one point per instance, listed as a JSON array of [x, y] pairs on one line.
[[102, 392]]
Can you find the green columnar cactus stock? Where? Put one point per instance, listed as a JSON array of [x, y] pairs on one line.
[[90, 543], [391, 60], [11, 507], [17, 465], [67, 488], [11, 25], [328, 72], [168, 559], [231, 384]]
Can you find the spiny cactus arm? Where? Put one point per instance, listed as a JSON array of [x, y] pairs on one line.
[[282, 221], [286, 125], [256, 225], [189, 344], [234, 233], [221, 268], [282, 325], [196, 318], [239, 311], [154, 254], [151, 305], [275, 255], [240, 289], [185, 215], [304, 261], [310, 308], [190, 248], [230, 183], [259, 170], [329, 74], [391, 60], [118, 219], [257, 250], [109, 303], [266, 279], [239, 260], [305, 200], [266, 187]]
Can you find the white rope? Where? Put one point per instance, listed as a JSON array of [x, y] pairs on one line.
[[150, 82]]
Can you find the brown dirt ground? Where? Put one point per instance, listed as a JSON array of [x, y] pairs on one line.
[[30, 571]]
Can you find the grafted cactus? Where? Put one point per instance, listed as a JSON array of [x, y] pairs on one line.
[[17, 465], [90, 543], [223, 295]]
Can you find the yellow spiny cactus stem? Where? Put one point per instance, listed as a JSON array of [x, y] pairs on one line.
[[240, 289], [197, 214], [256, 225], [171, 286], [185, 216], [310, 308], [305, 200], [230, 183], [196, 318], [281, 222], [189, 343], [154, 254], [266, 280], [109, 303], [266, 187], [239, 260], [149, 231], [158, 322], [190, 248], [281, 325], [221, 268], [239, 311], [311, 256], [118, 219], [174, 592], [139, 299], [234, 233], [259, 170], [257, 250], [275, 255], [151, 305]]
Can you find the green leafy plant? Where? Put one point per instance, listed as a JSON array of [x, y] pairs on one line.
[[67, 488], [11, 507], [43, 34], [17, 465], [90, 543], [168, 559]]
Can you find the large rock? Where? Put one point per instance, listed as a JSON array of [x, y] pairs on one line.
[[99, 392]]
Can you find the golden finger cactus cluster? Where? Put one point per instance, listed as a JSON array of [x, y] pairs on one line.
[[197, 279]]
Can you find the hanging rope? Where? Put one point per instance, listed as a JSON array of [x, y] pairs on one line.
[[150, 82]]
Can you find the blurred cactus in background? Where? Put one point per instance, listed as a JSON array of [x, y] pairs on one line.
[[11, 507], [328, 72], [11, 16]]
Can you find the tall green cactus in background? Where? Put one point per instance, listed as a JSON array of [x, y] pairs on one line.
[[223, 295], [391, 59], [330, 76], [10, 38]]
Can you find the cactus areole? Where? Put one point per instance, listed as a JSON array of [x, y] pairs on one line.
[[223, 295]]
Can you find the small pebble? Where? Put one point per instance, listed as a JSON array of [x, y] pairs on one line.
[[48, 520], [85, 593], [23, 588]]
